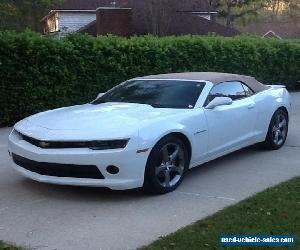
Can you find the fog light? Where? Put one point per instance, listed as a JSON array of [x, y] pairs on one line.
[[112, 169]]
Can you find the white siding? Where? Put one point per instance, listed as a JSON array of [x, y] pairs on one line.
[[73, 21], [205, 16]]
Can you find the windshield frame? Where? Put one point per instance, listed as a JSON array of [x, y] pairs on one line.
[[94, 102]]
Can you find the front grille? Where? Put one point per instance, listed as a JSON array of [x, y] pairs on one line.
[[52, 144], [58, 170], [95, 145]]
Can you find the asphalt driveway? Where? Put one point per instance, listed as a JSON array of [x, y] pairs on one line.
[[41, 216]]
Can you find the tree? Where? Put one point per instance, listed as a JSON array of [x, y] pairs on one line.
[[158, 14], [237, 12], [233, 10], [21, 14], [8, 13], [282, 9]]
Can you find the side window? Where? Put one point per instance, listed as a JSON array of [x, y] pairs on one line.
[[249, 92], [234, 90]]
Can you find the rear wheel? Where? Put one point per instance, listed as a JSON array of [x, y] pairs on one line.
[[278, 130], [166, 166]]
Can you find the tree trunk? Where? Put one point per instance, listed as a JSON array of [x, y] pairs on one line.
[[35, 16], [229, 13]]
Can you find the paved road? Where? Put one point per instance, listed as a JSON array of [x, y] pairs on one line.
[[42, 216]]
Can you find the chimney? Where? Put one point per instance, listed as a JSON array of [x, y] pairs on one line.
[[115, 21]]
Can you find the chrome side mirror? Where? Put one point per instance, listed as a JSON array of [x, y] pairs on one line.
[[219, 101]]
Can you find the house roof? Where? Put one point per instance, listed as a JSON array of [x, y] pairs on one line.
[[187, 23], [279, 29], [213, 77], [183, 23], [193, 5], [188, 5], [271, 33], [90, 28], [183, 20], [89, 4]]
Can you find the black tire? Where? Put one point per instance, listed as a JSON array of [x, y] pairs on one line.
[[157, 169], [275, 130]]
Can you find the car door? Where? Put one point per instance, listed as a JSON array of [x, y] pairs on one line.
[[230, 126]]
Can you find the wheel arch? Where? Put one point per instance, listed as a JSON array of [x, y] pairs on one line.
[[183, 137], [268, 142], [186, 142], [148, 183], [283, 108]]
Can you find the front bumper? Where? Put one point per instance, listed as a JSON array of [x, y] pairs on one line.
[[130, 163]]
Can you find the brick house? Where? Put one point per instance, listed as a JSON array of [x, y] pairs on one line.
[[133, 17]]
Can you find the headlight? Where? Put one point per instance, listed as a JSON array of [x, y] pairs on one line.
[[16, 133], [112, 144]]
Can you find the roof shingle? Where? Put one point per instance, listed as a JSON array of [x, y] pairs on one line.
[[188, 5], [89, 4], [187, 23]]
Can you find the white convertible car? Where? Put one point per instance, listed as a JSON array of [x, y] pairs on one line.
[[147, 132]]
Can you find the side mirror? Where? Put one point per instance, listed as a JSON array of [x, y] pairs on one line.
[[219, 101]]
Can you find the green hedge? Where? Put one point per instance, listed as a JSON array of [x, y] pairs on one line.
[[39, 73]]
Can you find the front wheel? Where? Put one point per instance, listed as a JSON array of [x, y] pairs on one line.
[[166, 166], [278, 130]]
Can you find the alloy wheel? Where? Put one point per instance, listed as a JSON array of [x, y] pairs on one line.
[[279, 131], [170, 165]]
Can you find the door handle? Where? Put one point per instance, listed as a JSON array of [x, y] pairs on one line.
[[251, 106]]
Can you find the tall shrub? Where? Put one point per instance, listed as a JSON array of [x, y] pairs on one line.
[[39, 73]]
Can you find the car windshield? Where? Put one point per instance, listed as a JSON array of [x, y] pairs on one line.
[[157, 93]]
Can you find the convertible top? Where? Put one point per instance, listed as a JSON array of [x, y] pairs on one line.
[[213, 77]]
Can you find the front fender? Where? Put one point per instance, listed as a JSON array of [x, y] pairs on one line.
[[192, 125], [150, 136]]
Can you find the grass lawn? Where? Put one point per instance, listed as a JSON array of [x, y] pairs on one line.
[[273, 211], [4, 246]]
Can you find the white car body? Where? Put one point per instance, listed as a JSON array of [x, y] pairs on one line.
[[211, 133]]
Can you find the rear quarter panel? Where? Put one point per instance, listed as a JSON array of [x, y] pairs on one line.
[[267, 102]]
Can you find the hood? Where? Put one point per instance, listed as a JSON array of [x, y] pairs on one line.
[[102, 121]]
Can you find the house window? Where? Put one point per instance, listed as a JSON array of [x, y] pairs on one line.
[[52, 23]]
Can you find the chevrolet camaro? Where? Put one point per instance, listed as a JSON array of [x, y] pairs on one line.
[[148, 131]]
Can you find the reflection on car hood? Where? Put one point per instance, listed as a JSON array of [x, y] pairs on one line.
[[107, 120]]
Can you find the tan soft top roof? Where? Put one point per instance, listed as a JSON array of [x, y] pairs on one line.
[[213, 77]]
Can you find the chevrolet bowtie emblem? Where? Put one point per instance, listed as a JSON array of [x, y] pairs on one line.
[[44, 144]]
